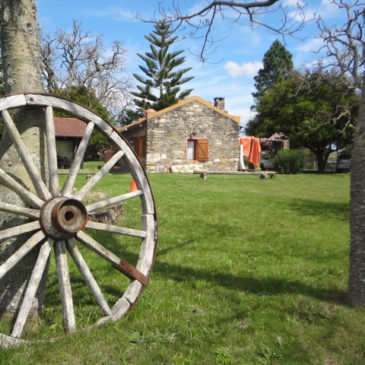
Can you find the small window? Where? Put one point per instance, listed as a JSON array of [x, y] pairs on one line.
[[191, 149], [197, 150]]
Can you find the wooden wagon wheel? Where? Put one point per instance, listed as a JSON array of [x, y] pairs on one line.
[[59, 220]]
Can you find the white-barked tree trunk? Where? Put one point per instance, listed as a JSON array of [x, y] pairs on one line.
[[22, 73]]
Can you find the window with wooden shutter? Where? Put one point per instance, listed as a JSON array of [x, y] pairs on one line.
[[201, 150], [190, 153], [140, 146]]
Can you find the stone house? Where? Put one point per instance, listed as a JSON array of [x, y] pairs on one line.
[[191, 135]]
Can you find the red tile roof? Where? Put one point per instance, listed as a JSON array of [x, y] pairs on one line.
[[69, 127], [177, 105]]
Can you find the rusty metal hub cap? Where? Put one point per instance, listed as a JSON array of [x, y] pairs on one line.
[[56, 217], [63, 217]]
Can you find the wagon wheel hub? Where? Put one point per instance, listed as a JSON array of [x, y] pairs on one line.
[[62, 218], [57, 220]]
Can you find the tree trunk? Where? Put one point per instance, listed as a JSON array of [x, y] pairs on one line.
[[321, 158], [356, 289], [22, 73]]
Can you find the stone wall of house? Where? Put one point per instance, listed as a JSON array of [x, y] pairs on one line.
[[167, 136]]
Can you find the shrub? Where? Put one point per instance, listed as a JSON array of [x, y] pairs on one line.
[[289, 161]]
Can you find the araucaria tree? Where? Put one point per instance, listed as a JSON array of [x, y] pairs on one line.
[[277, 67], [160, 86]]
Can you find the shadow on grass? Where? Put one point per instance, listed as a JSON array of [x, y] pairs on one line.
[[317, 208], [251, 285], [179, 273], [172, 248]]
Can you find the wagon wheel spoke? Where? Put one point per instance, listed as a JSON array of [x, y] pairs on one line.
[[55, 216], [98, 176], [51, 152], [115, 229], [125, 267], [21, 252], [25, 156], [79, 156], [20, 190], [107, 203], [88, 277], [32, 287], [18, 210], [18, 230], [65, 287]]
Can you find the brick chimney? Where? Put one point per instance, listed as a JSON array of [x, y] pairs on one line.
[[219, 103], [148, 112]]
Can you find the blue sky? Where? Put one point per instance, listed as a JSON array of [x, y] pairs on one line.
[[228, 72]]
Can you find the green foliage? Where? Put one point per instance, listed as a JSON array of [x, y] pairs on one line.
[[129, 116], [289, 161], [277, 66], [223, 357], [240, 285], [316, 110], [83, 96], [160, 71]]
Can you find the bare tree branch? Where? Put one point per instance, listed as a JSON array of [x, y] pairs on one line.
[[79, 58], [200, 22], [344, 45]]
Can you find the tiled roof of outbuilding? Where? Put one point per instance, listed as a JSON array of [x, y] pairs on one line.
[[69, 127]]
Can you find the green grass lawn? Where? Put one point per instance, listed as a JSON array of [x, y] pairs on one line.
[[248, 271]]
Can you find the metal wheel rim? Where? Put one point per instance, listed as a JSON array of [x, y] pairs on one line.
[[50, 198]]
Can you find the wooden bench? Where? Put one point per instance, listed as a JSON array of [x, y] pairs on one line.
[[262, 174]]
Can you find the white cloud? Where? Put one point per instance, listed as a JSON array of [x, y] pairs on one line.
[[303, 15], [249, 69], [312, 46], [328, 9], [245, 114], [118, 14], [325, 9], [293, 3]]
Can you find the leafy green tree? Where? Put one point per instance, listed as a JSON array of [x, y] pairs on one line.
[[277, 66], [82, 95], [128, 116], [85, 97], [160, 86], [316, 110]]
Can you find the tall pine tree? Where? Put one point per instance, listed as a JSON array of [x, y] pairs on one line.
[[160, 86], [277, 66]]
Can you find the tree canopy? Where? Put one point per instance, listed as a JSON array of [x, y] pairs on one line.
[[315, 109], [160, 84], [277, 66], [85, 97]]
